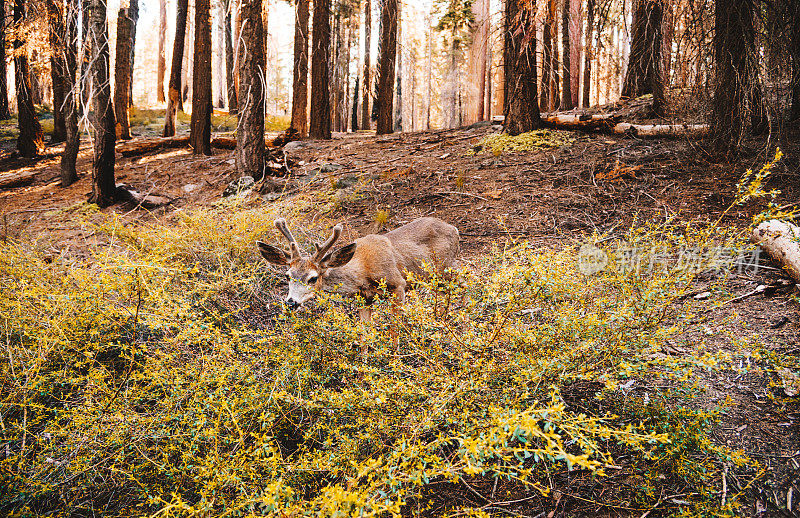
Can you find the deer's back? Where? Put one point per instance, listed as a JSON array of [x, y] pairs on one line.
[[425, 240]]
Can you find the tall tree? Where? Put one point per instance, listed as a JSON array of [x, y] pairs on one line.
[[794, 24], [5, 113], [300, 74], [566, 48], [265, 43], [734, 51], [588, 54], [202, 103], [379, 7], [162, 51], [123, 69], [519, 56], [250, 132], [575, 35], [69, 173], [219, 68], [547, 58], [398, 109], [174, 95], [387, 63], [55, 12], [645, 64], [30, 141], [320, 127], [233, 106], [552, 15], [103, 184], [133, 15], [365, 124]]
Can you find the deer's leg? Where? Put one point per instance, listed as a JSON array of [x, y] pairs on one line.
[[399, 293]]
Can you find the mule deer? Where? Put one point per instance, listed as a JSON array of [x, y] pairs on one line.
[[359, 268]]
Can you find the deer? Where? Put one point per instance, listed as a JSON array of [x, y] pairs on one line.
[[361, 267]]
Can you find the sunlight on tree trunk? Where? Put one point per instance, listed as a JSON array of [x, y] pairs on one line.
[[69, 55], [300, 74], [30, 141], [250, 132], [366, 86], [103, 184], [174, 94], [320, 127], [387, 64], [162, 43]]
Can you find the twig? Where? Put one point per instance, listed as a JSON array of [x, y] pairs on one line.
[[724, 484], [760, 289], [444, 193]]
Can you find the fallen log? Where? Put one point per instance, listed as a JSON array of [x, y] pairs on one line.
[[140, 147], [610, 123], [662, 130], [583, 121], [223, 142], [781, 241], [8, 180], [147, 201]]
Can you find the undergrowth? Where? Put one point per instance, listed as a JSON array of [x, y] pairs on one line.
[[531, 141], [159, 377]]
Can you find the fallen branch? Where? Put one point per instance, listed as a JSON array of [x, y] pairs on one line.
[[141, 146], [662, 130], [8, 180], [611, 123], [781, 241], [148, 201]]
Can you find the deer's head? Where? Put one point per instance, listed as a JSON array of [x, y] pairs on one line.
[[306, 273]]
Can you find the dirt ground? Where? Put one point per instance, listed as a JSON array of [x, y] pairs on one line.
[[550, 197]]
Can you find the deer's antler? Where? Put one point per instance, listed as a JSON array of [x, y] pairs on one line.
[[280, 224], [324, 247]]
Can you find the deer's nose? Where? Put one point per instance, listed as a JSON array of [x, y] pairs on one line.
[[292, 304]]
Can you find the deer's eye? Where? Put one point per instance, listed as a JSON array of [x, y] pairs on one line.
[[312, 279], [288, 276]]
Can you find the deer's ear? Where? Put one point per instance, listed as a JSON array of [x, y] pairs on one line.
[[339, 257], [273, 254]]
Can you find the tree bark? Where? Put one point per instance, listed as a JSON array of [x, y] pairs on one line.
[[250, 132], [5, 113], [380, 6], [519, 57], [795, 56], [398, 109], [645, 64], [103, 184], [566, 68], [588, 57], [174, 95], [366, 87], [122, 73], [552, 10], [265, 45], [133, 14], [162, 49], [734, 41], [575, 34], [69, 173], [219, 67], [30, 141], [202, 103], [55, 11], [320, 127], [779, 239], [300, 75], [386, 73], [547, 60], [233, 105]]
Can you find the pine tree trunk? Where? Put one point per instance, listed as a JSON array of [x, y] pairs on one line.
[[162, 43], [174, 94], [734, 42], [645, 63], [133, 14], [230, 73], [5, 113], [552, 10], [547, 61], [588, 56], [69, 173], [483, 61], [265, 45], [398, 110], [188, 57], [380, 5], [103, 184], [85, 73], [320, 127], [365, 123], [202, 104], [795, 56], [566, 68], [300, 74], [30, 141], [336, 80], [219, 68], [576, 32], [250, 132], [428, 81], [56, 28], [122, 74], [387, 64], [519, 56]]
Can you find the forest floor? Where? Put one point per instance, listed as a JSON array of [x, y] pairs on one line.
[[553, 198]]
